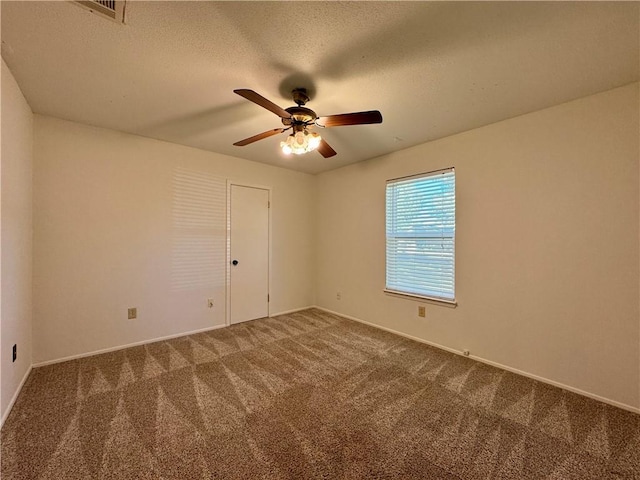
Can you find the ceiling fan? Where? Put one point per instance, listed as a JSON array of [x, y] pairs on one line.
[[300, 119]]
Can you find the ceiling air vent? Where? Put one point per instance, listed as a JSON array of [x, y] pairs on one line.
[[111, 9]]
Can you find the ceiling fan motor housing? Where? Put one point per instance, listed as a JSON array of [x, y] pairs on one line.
[[299, 116]]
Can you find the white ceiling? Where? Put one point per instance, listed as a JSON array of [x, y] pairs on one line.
[[432, 68]]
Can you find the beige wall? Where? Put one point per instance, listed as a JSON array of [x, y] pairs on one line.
[[122, 221], [16, 235], [546, 244], [547, 241]]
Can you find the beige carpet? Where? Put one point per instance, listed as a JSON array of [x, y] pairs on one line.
[[306, 396]]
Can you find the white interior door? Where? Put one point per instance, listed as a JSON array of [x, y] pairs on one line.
[[249, 248]]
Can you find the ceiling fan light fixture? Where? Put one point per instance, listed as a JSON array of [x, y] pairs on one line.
[[300, 142], [314, 140], [299, 118]]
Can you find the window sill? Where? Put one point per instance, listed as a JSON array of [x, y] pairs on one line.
[[420, 298]]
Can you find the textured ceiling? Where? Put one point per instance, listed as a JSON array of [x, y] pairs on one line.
[[432, 68]]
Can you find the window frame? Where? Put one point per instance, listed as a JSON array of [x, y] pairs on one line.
[[445, 301]]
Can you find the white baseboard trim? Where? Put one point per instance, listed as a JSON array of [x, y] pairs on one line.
[[145, 342], [122, 347], [608, 401], [6, 413], [286, 312]]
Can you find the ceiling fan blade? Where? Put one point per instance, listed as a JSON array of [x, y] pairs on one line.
[[260, 136], [325, 149], [263, 102], [357, 118]]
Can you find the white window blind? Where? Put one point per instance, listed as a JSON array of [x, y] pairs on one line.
[[421, 224]]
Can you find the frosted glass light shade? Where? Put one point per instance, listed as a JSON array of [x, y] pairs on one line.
[[300, 142]]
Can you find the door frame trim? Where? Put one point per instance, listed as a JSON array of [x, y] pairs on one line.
[[227, 285]]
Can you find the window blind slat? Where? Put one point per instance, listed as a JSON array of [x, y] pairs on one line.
[[420, 229]]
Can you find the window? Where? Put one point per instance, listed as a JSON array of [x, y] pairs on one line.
[[421, 224]]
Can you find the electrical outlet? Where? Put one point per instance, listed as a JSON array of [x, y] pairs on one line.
[[132, 313], [422, 311], [210, 302], [15, 352], [338, 296]]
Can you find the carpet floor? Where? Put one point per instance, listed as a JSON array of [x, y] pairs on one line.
[[307, 395]]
